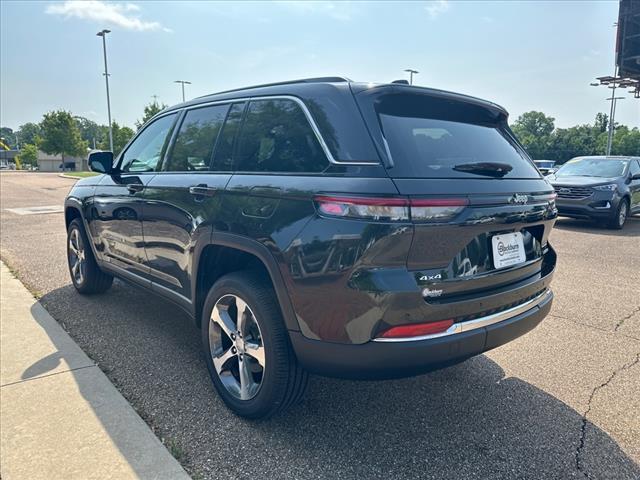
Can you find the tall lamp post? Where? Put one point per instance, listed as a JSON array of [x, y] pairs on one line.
[[182, 82], [103, 34], [411, 72]]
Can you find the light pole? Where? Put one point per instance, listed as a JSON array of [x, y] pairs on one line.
[[103, 34], [411, 72], [182, 82], [612, 120]]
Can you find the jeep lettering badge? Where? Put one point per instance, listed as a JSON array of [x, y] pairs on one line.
[[518, 198]]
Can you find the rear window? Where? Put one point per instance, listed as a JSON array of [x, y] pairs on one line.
[[432, 137]]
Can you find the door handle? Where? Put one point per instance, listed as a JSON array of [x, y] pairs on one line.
[[135, 187], [202, 190]]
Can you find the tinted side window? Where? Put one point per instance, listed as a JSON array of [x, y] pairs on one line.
[[276, 137], [223, 156], [634, 168], [146, 150], [193, 147]]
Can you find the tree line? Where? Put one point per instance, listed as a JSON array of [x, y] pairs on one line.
[[543, 141], [62, 133]]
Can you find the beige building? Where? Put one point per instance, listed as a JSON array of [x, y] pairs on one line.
[[53, 163]]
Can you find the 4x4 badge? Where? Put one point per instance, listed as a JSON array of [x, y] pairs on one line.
[[427, 278], [518, 198]]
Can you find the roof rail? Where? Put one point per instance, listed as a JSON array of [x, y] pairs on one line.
[[288, 82]]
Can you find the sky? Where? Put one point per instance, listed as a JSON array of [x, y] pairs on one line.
[[523, 55]]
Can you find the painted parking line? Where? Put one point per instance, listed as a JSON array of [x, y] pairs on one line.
[[36, 210]]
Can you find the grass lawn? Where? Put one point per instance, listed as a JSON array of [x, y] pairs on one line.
[[81, 174]]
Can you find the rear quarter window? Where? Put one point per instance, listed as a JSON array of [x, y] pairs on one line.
[[277, 137]]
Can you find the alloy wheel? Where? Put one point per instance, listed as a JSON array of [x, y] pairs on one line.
[[622, 216], [76, 256], [236, 347]]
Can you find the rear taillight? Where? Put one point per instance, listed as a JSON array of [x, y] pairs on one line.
[[385, 209], [391, 209], [423, 209], [417, 329]]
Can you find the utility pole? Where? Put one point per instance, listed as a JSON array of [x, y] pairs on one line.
[[182, 82], [411, 72], [103, 34]]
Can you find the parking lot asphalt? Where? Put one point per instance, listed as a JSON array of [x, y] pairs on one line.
[[560, 402]]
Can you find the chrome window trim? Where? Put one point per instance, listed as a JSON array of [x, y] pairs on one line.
[[478, 322], [307, 114]]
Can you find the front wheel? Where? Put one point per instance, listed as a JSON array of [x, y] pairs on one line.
[[85, 272], [247, 349], [620, 217]]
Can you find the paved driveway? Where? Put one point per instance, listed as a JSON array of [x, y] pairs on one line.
[[560, 402]]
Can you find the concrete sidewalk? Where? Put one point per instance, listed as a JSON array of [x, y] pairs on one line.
[[60, 416]]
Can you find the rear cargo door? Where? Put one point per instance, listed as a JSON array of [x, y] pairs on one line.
[[481, 210]]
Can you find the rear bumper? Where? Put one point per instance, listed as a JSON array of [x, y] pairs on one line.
[[382, 360]]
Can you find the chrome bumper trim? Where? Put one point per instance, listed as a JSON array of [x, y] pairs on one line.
[[478, 322]]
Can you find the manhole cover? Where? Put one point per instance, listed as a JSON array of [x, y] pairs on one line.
[[36, 210]]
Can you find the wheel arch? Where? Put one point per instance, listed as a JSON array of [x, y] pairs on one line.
[[228, 252], [72, 210]]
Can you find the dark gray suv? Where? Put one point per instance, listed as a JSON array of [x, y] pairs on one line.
[[605, 189], [321, 225]]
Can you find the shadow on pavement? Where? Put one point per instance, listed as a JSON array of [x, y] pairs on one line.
[[143, 457], [468, 421], [44, 365]]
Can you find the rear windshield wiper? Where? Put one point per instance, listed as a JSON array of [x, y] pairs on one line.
[[491, 169]]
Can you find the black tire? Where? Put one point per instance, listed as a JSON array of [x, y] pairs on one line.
[[92, 279], [622, 212], [282, 381]]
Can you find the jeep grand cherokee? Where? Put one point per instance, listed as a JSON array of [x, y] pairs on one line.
[[346, 229]]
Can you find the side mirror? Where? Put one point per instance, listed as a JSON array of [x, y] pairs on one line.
[[636, 176], [101, 162]]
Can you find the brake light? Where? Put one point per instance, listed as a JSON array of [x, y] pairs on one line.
[[418, 329], [391, 209]]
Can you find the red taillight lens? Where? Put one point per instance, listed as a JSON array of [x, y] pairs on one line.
[[391, 209], [436, 208], [417, 329], [384, 209]]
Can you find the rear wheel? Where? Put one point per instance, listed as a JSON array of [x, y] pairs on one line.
[[85, 272], [617, 221], [247, 348]]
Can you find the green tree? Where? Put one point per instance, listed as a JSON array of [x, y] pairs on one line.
[[28, 155], [8, 137], [567, 143], [29, 133], [626, 141], [90, 131], [534, 123], [149, 111], [121, 136], [534, 130], [602, 122], [60, 135]]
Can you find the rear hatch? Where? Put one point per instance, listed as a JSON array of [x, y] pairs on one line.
[[481, 210]]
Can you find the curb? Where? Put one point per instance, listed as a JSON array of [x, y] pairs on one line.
[[61, 416]]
